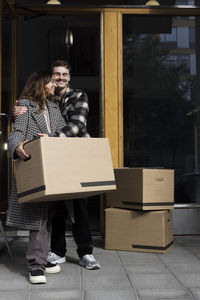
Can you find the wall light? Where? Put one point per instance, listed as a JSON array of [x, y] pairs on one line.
[[152, 3], [53, 2], [5, 146], [68, 38]]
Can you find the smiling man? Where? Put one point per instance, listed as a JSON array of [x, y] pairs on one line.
[[74, 108]]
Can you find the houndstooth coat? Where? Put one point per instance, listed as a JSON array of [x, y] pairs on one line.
[[26, 126]]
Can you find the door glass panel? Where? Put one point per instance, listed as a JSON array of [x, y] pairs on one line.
[[43, 40], [161, 62], [6, 96]]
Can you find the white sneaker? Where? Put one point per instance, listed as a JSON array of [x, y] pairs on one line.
[[89, 262], [37, 276], [55, 259], [52, 268]]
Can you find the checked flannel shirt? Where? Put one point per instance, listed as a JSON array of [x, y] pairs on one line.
[[74, 109]]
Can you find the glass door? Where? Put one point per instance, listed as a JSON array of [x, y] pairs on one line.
[[6, 103], [76, 39]]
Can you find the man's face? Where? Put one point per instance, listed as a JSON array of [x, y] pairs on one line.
[[61, 76]]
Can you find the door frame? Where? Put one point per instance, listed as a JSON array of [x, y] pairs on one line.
[[10, 5]]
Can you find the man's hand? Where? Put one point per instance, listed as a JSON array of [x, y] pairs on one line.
[[19, 110], [20, 151]]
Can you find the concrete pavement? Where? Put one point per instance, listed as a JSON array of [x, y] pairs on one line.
[[123, 275]]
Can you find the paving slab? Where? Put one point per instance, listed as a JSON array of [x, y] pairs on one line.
[[15, 295], [127, 294], [180, 258], [13, 283], [108, 277], [137, 257], [159, 293], [57, 294], [147, 268], [195, 292], [12, 269], [195, 251], [184, 267], [160, 281], [190, 280]]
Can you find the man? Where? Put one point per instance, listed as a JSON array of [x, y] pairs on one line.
[[74, 108]]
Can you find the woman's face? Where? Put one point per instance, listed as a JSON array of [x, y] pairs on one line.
[[50, 87]]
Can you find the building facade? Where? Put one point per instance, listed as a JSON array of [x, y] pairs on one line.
[[139, 64]]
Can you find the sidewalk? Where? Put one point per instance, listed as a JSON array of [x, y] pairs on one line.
[[123, 275]]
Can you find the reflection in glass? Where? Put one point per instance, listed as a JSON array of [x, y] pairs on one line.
[[161, 98]]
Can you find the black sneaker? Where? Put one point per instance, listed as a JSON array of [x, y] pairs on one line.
[[37, 276], [52, 268]]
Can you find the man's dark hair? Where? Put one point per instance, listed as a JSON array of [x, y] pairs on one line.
[[60, 63]]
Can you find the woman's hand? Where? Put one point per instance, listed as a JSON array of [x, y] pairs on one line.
[[42, 134], [20, 151]]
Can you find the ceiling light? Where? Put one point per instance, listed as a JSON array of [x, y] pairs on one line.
[[53, 2], [152, 3]]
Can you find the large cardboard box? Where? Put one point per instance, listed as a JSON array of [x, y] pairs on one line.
[[139, 231], [142, 189], [64, 168]]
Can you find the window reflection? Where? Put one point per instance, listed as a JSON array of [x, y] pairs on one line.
[[161, 102]]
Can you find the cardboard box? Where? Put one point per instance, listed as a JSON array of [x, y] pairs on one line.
[[139, 231], [64, 168], [142, 189]]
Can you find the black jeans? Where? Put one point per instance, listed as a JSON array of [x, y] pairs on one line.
[[81, 229]]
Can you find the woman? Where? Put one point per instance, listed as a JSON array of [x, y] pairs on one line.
[[42, 116]]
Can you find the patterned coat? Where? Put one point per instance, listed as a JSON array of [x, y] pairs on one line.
[[26, 126]]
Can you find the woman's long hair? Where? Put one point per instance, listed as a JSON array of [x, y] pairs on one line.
[[35, 90]]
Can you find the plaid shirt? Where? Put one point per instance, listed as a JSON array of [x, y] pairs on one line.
[[74, 108]]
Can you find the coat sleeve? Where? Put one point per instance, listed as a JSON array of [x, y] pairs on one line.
[[77, 125], [61, 124], [18, 134]]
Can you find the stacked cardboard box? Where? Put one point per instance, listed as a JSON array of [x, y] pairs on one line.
[[138, 216]]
